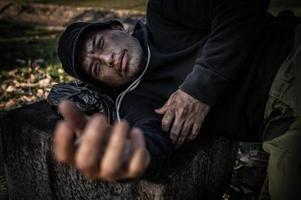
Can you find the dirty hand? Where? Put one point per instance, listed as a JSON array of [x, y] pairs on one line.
[[125, 155], [183, 116]]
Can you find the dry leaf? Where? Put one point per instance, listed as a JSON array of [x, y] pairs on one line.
[[60, 71], [16, 83], [12, 72], [10, 89], [40, 93], [10, 103], [32, 78], [44, 82], [3, 86], [28, 98]]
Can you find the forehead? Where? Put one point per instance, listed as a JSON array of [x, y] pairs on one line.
[[88, 37], [86, 45]]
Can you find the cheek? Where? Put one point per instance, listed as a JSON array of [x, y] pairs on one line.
[[111, 78], [107, 75]]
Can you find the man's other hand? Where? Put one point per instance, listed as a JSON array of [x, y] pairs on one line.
[[123, 156], [183, 117]]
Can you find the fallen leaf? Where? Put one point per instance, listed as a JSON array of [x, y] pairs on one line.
[[40, 92], [44, 82], [16, 83], [60, 70], [32, 78], [10, 103], [10, 89], [3, 86]]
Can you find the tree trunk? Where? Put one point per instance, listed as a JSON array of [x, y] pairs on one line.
[[200, 170]]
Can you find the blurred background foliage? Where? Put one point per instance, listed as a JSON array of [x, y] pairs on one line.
[[106, 4], [29, 63]]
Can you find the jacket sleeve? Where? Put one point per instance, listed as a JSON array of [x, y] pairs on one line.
[[235, 28], [141, 115], [159, 146]]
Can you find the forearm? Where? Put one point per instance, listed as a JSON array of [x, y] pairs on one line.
[[159, 156], [159, 146], [235, 29]]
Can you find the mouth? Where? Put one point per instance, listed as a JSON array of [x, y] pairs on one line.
[[123, 62]]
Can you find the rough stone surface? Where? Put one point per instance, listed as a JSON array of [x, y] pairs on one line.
[[200, 170]]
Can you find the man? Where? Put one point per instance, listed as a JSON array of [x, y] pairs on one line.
[[109, 58], [159, 80], [233, 80]]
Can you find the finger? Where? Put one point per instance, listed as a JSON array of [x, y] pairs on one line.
[[73, 115], [112, 160], [140, 157], [63, 142], [167, 120], [184, 133], [176, 132], [88, 153], [176, 129], [164, 108], [195, 131]]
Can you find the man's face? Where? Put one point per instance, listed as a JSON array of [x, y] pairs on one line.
[[111, 56]]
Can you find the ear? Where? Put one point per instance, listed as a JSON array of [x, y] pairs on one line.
[[117, 27]]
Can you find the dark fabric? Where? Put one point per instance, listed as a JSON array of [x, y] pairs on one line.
[[224, 26], [141, 114], [224, 53], [176, 48], [86, 98], [245, 99], [135, 111]]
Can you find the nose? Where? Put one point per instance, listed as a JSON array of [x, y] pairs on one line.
[[105, 58]]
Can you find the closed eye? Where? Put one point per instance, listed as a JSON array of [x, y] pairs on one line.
[[100, 43], [96, 69]]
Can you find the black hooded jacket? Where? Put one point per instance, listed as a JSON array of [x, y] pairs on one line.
[[222, 52]]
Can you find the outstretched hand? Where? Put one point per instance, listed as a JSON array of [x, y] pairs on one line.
[[183, 117], [123, 155]]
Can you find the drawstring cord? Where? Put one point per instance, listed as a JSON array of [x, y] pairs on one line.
[[131, 87]]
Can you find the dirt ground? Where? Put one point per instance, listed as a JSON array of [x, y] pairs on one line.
[[58, 16]]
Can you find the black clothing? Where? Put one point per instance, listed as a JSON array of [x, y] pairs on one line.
[[249, 54], [227, 31], [218, 52]]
